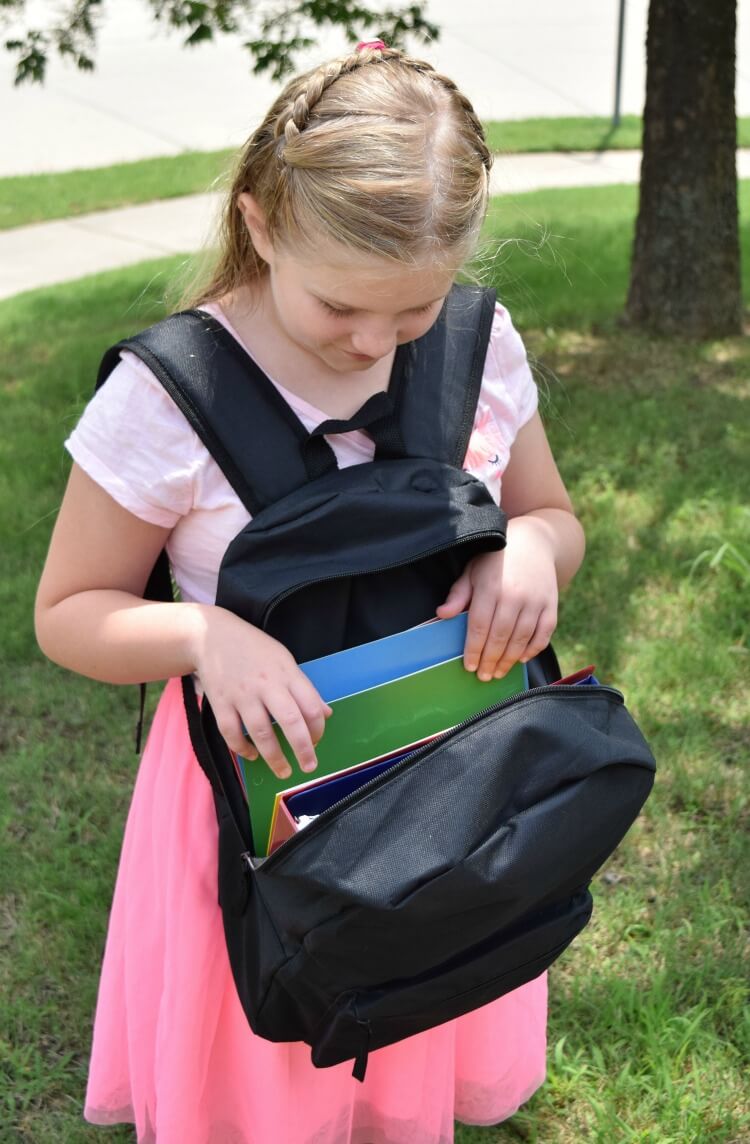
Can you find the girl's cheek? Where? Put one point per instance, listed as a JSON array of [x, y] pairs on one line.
[[411, 331], [420, 324]]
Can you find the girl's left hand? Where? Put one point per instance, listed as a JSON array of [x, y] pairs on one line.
[[512, 600]]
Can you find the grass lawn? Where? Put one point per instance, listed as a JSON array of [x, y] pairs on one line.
[[36, 198], [649, 1028], [585, 133]]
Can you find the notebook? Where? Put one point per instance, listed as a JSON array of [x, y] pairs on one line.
[[377, 721]]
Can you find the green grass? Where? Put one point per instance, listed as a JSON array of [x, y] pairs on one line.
[[27, 199], [560, 257], [587, 133], [649, 1029]]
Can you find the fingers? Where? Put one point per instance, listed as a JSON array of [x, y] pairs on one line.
[[512, 634], [259, 694], [458, 598], [302, 726], [298, 712], [251, 735], [478, 627], [314, 710]]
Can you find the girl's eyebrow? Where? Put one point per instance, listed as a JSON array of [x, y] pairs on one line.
[[333, 302]]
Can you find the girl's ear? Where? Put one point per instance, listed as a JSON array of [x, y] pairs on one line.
[[255, 221]]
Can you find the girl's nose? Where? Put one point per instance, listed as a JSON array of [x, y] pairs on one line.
[[374, 341]]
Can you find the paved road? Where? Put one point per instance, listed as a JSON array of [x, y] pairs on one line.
[[149, 96]]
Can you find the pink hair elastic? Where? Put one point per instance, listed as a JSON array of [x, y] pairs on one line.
[[364, 45]]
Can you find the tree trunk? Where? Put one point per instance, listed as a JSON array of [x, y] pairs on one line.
[[685, 276]]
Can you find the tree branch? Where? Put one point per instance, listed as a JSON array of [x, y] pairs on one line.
[[276, 32]]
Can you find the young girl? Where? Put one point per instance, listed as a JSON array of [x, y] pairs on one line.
[[354, 205]]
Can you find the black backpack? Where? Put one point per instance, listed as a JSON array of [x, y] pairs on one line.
[[463, 871]]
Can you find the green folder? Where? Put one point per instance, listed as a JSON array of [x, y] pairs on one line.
[[375, 722]]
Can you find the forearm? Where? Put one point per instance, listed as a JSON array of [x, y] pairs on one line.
[[560, 530], [117, 637]]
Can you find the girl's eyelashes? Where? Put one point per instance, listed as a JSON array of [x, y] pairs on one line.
[[344, 313], [334, 309]]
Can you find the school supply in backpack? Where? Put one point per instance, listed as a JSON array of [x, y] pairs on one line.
[[358, 668], [463, 870], [584, 676], [379, 661], [392, 714], [297, 806]]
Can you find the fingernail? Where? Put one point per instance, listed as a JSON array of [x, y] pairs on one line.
[[309, 766], [499, 673], [470, 665], [286, 773], [485, 676]]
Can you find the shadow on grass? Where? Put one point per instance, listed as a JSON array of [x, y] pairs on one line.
[[649, 437]]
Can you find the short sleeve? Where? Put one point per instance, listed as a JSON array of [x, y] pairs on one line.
[[134, 442], [508, 399]]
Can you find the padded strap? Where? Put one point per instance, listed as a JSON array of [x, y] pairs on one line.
[[225, 396], [437, 404], [215, 760], [257, 439]]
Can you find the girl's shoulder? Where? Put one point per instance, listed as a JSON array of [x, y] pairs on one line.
[[507, 401], [508, 386], [135, 443], [507, 364]]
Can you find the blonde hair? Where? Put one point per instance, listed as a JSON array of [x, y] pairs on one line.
[[376, 151]]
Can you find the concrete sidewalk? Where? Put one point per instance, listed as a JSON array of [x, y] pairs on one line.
[[49, 253]]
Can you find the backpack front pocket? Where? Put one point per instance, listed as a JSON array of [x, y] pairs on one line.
[[362, 1021], [457, 875]]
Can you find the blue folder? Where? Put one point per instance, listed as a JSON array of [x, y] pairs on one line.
[[368, 665]]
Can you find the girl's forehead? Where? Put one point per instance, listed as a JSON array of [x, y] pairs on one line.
[[354, 278]]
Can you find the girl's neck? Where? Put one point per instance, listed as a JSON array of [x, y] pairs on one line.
[[338, 395]]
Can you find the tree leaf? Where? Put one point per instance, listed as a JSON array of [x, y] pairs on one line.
[[199, 34]]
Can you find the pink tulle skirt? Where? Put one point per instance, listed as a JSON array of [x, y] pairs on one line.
[[172, 1050]]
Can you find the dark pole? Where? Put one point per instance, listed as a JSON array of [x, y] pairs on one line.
[[618, 77]]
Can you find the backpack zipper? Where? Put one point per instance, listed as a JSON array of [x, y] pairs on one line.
[[320, 821], [412, 559]]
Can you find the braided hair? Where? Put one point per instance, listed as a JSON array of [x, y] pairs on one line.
[[374, 150]]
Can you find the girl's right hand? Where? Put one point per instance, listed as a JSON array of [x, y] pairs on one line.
[[91, 617], [251, 679]]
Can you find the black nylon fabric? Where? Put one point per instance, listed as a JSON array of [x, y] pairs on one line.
[[462, 872], [306, 570], [456, 876]]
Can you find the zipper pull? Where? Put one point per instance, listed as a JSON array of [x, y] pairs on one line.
[[360, 1061]]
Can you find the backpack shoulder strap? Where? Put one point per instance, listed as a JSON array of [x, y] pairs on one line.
[[437, 405], [236, 411], [254, 435]]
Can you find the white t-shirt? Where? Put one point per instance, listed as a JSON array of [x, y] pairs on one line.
[[137, 445]]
